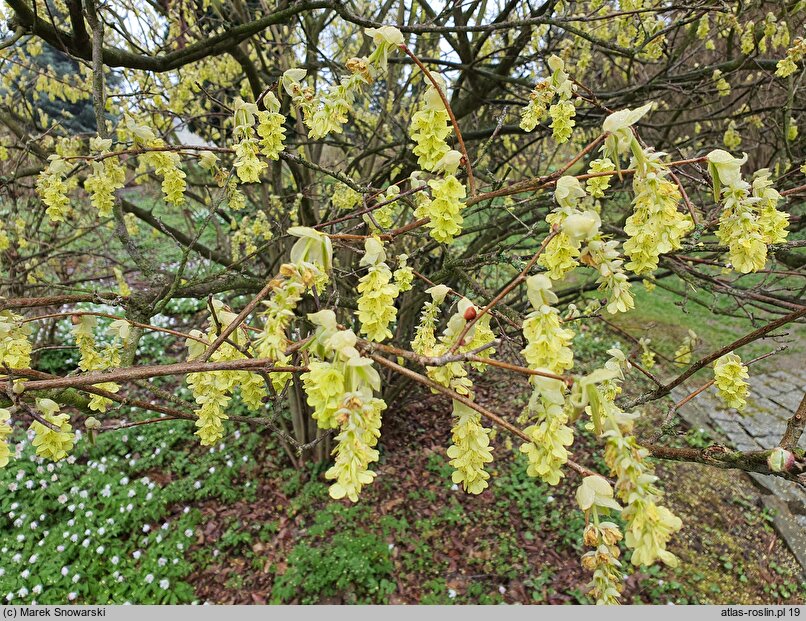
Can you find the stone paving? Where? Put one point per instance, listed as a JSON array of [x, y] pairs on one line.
[[774, 397]]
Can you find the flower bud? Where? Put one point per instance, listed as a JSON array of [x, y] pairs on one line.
[[780, 460], [470, 313], [92, 423]]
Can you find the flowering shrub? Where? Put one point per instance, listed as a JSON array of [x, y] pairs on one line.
[[385, 216]]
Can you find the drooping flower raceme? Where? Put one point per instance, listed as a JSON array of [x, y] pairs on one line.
[[165, 163], [548, 343], [444, 211], [595, 498], [93, 359], [773, 223], [596, 186], [212, 390], [425, 340], [682, 355], [360, 429], [539, 100], [729, 376], [430, 127], [649, 526], [51, 444], [376, 305], [15, 348], [329, 113], [339, 385], [311, 259], [344, 197], [560, 254], [248, 165], [748, 222], [647, 355], [404, 275], [549, 432], [53, 185], [562, 113], [656, 226], [612, 280], [470, 449], [107, 176], [789, 64], [270, 127]]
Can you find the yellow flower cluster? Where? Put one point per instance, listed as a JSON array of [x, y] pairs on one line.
[[560, 254], [612, 280], [270, 127], [360, 430], [445, 208], [93, 359], [703, 27], [376, 305], [731, 138], [249, 234], [562, 120], [773, 223], [52, 186], [729, 376], [595, 497], [597, 186], [481, 335], [429, 128], [15, 348], [606, 585], [248, 165], [656, 226], [649, 526], [425, 340], [747, 224], [324, 387], [5, 431], [164, 163], [339, 385], [789, 64], [562, 112], [50, 444], [548, 344], [470, 449], [404, 275], [453, 374], [311, 259], [107, 176], [647, 355], [771, 30], [344, 197], [332, 114], [539, 100], [722, 86], [383, 216], [549, 432], [212, 390], [329, 114], [682, 355]]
